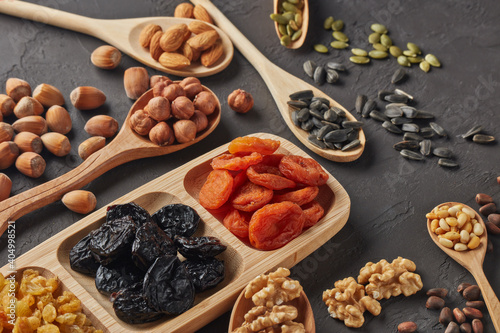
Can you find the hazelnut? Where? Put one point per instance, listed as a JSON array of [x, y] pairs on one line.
[[90, 146], [87, 98], [182, 108], [31, 164], [17, 89], [27, 141], [28, 106], [192, 87], [205, 102], [172, 91], [158, 88], [158, 108], [184, 131], [101, 125], [33, 124], [80, 201], [106, 57], [57, 143], [6, 105], [8, 154], [5, 186], [6, 132], [200, 120], [159, 78], [136, 82], [58, 119], [161, 134], [141, 123], [48, 95], [240, 101]]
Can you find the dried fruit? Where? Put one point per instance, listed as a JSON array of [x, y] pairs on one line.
[[17, 88], [303, 170], [8, 154], [173, 60], [28, 106], [34, 124], [313, 212], [58, 119], [268, 176], [216, 190], [147, 34], [107, 56], [200, 13], [205, 273], [237, 222], [234, 163], [184, 131], [253, 144], [250, 197], [27, 141], [131, 307], [101, 125], [161, 134], [90, 146], [57, 143], [30, 164], [177, 219], [136, 82], [80, 201], [240, 101], [300, 197], [5, 186], [87, 98]]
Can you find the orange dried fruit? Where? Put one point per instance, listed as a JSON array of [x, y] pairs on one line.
[[239, 179], [251, 197], [216, 190], [303, 170], [250, 144], [300, 197], [272, 160], [313, 213], [237, 222], [232, 162], [268, 176]]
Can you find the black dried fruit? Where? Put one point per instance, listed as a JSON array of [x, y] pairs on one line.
[[199, 247], [113, 239], [81, 258], [136, 212], [131, 307], [205, 273], [117, 276], [150, 243], [168, 287], [177, 219]]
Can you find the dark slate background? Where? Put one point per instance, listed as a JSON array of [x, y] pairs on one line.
[[389, 195]]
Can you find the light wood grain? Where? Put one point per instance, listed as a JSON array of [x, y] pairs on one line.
[[122, 33], [281, 84], [473, 260], [242, 262], [305, 24], [125, 147]]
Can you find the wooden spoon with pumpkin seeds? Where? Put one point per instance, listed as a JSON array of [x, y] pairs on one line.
[[298, 28], [282, 84]]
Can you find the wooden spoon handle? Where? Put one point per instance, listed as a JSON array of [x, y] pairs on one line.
[[489, 297], [50, 16]]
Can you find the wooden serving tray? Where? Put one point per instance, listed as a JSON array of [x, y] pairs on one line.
[[242, 262]]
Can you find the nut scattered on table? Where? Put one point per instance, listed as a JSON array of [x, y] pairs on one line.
[[17, 88], [6, 132], [58, 119], [106, 57], [90, 146], [136, 82], [27, 141], [28, 106], [240, 101], [101, 125], [5, 186], [57, 143], [6, 105], [87, 98], [30, 164], [80, 201], [8, 154], [48, 95]]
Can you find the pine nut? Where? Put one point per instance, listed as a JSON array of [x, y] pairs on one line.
[[468, 227], [478, 229], [464, 237], [452, 222], [446, 242], [452, 235], [431, 216], [443, 214], [474, 243], [444, 225], [460, 247], [434, 225], [469, 212], [462, 218], [453, 211]]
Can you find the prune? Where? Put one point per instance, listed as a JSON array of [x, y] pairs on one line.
[[131, 307], [150, 243], [177, 219], [117, 276], [113, 239], [199, 247], [136, 212], [216, 190], [205, 273], [168, 287], [81, 258]]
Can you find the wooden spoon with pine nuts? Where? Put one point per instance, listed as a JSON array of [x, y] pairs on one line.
[[471, 259]]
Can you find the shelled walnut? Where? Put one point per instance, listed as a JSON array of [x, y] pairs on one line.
[[260, 318]]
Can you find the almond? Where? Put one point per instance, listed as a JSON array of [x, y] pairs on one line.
[[197, 27], [5, 186], [17, 89], [31, 164], [204, 40], [27, 141], [106, 57], [80, 201], [87, 98], [174, 60], [101, 125], [6, 132], [147, 33], [200, 13], [155, 49], [33, 124], [184, 9], [58, 119], [173, 37], [136, 82], [57, 143], [210, 56], [8, 154], [28, 106], [90, 146], [6, 105], [187, 51], [48, 95]]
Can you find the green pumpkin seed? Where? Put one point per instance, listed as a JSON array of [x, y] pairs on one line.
[[289, 30], [380, 28], [374, 38], [379, 47], [338, 45], [285, 40], [413, 47], [320, 48], [340, 36], [300, 5], [403, 61], [386, 40], [432, 60], [295, 2], [359, 52], [288, 7], [279, 18], [289, 16], [415, 60], [424, 65], [293, 25], [338, 25], [328, 23], [296, 35], [359, 60], [409, 53], [376, 54], [298, 20], [282, 29], [395, 51]]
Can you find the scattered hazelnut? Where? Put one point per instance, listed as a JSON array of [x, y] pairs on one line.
[[158, 108], [33, 124], [141, 123], [31, 164], [192, 86], [90, 146], [206, 102], [101, 125], [185, 131], [136, 82], [8, 154], [58, 119], [200, 120], [17, 89], [182, 108], [80, 201], [5, 186], [6, 132], [27, 141], [161, 134], [172, 91], [28, 106], [106, 57], [87, 98], [57, 143], [48, 95], [240, 101], [6, 105]]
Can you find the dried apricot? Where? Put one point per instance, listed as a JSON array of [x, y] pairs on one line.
[[268, 176], [303, 170], [237, 222], [251, 197], [300, 197], [313, 213], [239, 179], [272, 160], [216, 190], [249, 144], [232, 162], [274, 225]]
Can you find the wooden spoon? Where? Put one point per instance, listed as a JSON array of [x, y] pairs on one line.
[[473, 260], [243, 305], [126, 146], [304, 27], [282, 84], [123, 34]]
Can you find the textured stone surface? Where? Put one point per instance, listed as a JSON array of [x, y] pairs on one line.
[[390, 195]]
